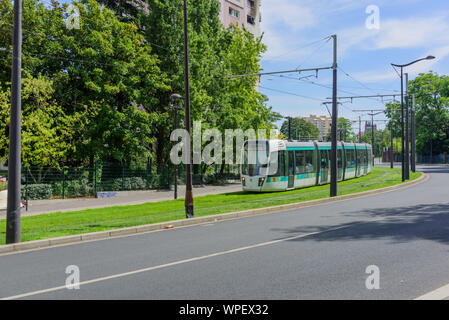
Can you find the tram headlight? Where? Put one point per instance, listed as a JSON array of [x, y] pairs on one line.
[[261, 181], [244, 181]]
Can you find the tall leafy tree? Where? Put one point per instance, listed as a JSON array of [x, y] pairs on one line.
[[301, 129], [47, 134], [104, 74], [432, 113], [344, 131], [215, 54]]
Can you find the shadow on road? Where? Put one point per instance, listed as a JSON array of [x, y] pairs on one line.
[[402, 224]]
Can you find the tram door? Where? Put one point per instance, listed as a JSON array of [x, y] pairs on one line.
[[324, 166], [359, 162], [291, 169], [365, 162], [340, 164]]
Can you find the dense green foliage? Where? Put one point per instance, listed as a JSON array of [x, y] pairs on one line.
[[99, 93], [37, 191], [432, 113], [300, 130]]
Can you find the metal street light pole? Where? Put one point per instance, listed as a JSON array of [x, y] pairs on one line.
[[413, 133], [175, 109], [372, 114], [407, 131], [402, 66], [392, 146], [189, 193], [15, 161]]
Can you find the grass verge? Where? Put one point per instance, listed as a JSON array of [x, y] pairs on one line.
[[92, 220]]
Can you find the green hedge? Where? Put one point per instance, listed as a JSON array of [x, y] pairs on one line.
[[3, 186], [73, 188], [37, 191], [131, 183], [78, 188]]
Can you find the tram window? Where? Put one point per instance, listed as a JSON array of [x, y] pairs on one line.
[[273, 166], [291, 163], [350, 158], [324, 160], [277, 164], [244, 165], [300, 161], [281, 171], [309, 162], [340, 159]]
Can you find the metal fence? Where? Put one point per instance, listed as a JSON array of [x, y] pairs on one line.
[[423, 159], [438, 158], [53, 183]]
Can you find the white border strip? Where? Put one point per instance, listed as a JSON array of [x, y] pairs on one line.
[[438, 294]]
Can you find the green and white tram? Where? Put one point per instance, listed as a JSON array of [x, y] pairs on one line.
[[278, 165]]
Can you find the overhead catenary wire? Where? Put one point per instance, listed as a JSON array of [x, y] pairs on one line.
[[315, 83], [316, 50], [354, 79], [298, 49], [293, 94]]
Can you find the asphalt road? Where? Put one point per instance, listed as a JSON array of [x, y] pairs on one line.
[[319, 252]]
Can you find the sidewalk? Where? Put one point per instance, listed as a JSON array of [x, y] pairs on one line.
[[124, 198]]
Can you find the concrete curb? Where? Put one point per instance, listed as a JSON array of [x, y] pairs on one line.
[[37, 244]]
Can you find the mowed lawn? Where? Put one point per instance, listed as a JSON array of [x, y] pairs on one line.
[[92, 220]]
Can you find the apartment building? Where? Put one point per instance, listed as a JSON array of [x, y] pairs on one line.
[[323, 124], [242, 13]]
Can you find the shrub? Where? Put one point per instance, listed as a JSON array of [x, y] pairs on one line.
[[159, 181], [57, 189], [78, 188], [130, 183], [37, 191]]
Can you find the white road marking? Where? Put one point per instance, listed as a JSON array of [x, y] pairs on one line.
[[438, 294], [262, 244]]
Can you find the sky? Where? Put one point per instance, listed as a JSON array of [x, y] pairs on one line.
[[293, 31], [407, 30]]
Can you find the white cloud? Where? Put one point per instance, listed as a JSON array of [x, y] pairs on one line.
[[422, 67], [288, 14], [412, 32]]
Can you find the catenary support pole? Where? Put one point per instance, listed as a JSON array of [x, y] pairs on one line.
[[407, 131], [360, 129], [372, 138], [333, 188], [402, 126], [413, 133]]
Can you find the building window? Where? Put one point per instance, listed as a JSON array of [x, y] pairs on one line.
[[251, 3], [234, 13], [250, 19]]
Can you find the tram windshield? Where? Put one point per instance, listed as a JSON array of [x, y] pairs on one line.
[[255, 158]]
